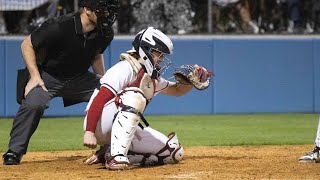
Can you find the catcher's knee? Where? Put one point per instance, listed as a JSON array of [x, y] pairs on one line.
[[132, 97], [173, 152]]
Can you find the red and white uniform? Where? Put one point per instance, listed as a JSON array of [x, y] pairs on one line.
[[120, 76]]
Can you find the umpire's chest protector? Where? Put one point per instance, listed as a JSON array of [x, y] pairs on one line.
[[143, 80]]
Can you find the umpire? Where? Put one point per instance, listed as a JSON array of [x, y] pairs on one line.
[[58, 55]]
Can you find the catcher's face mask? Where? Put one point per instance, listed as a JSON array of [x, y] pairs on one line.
[[160, 62]]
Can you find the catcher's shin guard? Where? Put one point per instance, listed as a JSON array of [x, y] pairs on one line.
[[171, 153], [132, 103]]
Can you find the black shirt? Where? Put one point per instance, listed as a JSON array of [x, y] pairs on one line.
[[63, 50]]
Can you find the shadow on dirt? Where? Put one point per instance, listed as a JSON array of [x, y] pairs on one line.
[[218, 157], [59, 159]]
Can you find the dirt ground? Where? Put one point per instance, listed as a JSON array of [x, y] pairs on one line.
[[237, 162]]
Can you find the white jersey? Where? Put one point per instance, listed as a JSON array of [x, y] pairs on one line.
[[119, 76], [122, 74]]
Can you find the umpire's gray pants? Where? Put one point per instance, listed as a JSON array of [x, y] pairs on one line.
[[32, 107]]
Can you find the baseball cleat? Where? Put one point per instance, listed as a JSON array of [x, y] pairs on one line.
[[311, 157], [118, 163]]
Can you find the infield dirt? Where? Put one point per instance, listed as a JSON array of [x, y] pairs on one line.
[[216, 162]]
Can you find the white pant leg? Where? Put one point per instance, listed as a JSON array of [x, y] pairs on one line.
[[148, 140], [104, 126]]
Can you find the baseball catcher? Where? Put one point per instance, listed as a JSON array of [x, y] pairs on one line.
[[115, 111]]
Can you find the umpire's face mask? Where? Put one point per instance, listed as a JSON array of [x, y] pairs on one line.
[[106, 15]]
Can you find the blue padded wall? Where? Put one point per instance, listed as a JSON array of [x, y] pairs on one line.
[[2, 78], [187, 51], [316, 59], [263, 76], [14, 62], [118, 46], [252, 76]]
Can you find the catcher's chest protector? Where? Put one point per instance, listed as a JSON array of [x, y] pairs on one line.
[[143, 80]]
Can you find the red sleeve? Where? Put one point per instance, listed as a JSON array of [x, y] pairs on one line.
[[96, 107]]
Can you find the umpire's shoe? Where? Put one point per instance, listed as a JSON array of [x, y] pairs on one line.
[[311, 157], [11, 158]]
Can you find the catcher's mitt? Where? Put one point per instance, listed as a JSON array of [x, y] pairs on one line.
[[195, 75]]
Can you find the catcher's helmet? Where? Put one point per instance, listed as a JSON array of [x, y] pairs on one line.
[[105, 10], [151, 39]]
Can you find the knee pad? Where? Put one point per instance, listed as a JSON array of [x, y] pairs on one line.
[[131, 104], [173, 152], [132, 97]]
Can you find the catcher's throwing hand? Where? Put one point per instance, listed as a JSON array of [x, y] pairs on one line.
[[195, 75], [89, 140]]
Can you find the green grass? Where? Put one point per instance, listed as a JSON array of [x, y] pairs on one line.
[[197, 130]]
